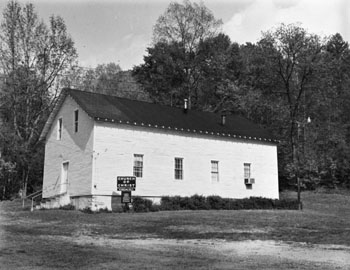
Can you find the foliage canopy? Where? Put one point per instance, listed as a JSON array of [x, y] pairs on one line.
[[33, 57]]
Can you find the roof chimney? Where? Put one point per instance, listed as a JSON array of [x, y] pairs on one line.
[[223, 119], [185, 105]]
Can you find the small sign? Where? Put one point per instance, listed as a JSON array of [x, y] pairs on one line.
[[126, 183], [126, 196]]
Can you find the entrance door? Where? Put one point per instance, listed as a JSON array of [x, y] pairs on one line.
[[64, 177]]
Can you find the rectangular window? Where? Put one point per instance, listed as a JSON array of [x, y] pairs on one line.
[[248, 181], [246, 170], [138, 165], [59, 129], [214, 171], [76, 119], [179, 168]]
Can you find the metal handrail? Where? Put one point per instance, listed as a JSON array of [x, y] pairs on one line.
[[33, 194], [39, 192]]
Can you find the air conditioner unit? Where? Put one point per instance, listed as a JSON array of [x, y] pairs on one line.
[[249, 181]]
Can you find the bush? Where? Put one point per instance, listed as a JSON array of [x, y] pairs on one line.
[[216, 202], [235, 204], [261, 203], [142, 205], [197, 202], [286, 204], [125, 207], [87, 210], [155, 208], [67, 207], [104, 210], [170, 203]]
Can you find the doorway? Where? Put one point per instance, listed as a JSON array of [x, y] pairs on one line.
[[64, 177]]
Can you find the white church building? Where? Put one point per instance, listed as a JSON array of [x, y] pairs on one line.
[[91, 139]]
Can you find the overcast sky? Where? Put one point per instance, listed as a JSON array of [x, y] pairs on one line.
[[120, 30]]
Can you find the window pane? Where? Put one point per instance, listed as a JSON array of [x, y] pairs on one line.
[[59, 129], [246, 170], [179, 168], [214, 171], [138, 165], [76, 117]]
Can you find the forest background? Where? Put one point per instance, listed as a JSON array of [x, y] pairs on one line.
[[291, 82]]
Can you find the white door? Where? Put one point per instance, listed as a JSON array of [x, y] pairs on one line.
[[64, 177]]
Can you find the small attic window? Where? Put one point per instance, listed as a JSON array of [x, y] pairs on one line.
[[76, 120], [59, 129]]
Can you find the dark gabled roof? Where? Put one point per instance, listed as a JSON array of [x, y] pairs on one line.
[[120, 110]]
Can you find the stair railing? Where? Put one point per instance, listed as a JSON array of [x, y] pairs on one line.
[[39, 193], [30, 196]]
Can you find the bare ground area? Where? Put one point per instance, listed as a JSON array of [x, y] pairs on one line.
[[316, 238]]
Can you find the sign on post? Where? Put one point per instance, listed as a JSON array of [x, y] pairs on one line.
[[126, 183], [126, 196]]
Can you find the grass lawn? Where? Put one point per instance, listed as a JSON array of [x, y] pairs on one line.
[[251, 239]]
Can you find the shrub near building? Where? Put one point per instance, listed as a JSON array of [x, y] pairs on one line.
[[197, 202]]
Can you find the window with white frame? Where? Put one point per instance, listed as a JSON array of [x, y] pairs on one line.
[[138, 165], [248, 180], [215, 171], [246, 170], [179, 169], [76, 120], [59, 129]]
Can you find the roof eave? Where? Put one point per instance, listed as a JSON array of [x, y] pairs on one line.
[[52, 115], [186, 130]]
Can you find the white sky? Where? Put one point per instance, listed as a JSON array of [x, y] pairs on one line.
[[120, 30]]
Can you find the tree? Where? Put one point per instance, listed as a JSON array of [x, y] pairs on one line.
[[163, 74], [288, 76], [102, 79], [279, 82], [7, 188], [105, 79], [108, 77], [33, 58], [331, 134], [186, 24], [293, 56], [169, 79], [217, 73], [177, 35]]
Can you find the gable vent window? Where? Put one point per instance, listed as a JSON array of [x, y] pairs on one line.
[[179, 174], [59, 129], [76, 120], [214, 171], [138, 165]]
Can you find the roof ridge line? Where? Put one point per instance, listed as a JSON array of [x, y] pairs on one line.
[[142, 101]]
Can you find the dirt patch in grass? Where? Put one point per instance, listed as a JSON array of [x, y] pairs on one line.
[[205, 229], [101, 252], [327, 255]]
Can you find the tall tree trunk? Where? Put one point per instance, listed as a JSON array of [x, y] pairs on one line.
[[25, 176]]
